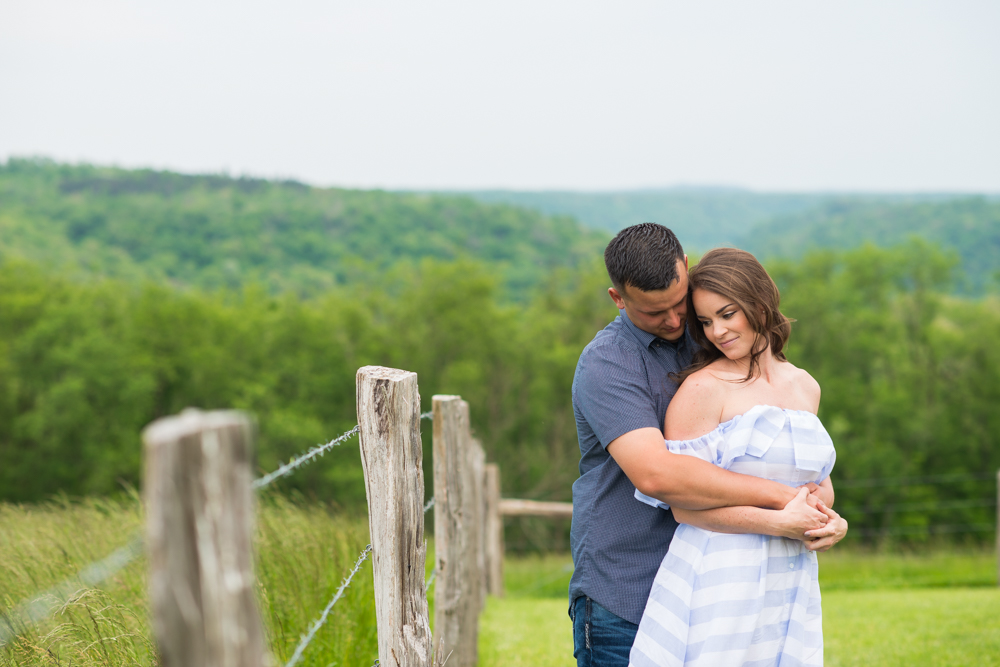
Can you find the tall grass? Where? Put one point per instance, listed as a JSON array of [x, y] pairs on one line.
[[303, 553]]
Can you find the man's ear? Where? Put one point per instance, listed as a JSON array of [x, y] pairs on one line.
[[686, 262], [617, 298]]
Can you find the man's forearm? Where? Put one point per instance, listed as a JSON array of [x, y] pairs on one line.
[[690, 483]]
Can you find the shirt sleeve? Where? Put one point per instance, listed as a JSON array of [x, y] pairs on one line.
[[613, 394]]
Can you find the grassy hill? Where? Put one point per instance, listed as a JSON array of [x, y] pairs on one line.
[[215, 231]]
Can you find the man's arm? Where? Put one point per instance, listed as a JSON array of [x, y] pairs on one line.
[[798, 520], [687, 482], [797, 517]]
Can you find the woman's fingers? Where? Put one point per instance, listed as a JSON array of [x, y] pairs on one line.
[[820, 544], [823, 538]]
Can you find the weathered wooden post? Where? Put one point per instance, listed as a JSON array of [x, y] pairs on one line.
[[199, 508], [477, 461], [493, 529], [391, 454], [456, 607]]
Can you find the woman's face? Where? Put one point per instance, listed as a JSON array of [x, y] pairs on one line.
[[724, 324]]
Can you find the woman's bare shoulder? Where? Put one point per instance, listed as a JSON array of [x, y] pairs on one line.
[[695, 408], [806, 386]]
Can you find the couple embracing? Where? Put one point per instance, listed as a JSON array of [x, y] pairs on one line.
[[704, 490]]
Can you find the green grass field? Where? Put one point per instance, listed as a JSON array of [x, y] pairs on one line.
[[936, 608]]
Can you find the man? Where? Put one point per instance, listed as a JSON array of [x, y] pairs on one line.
[[620, 395]]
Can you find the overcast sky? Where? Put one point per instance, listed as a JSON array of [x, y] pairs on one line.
[[770, 95]]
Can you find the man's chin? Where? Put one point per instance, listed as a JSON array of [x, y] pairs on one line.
[[672, 335]]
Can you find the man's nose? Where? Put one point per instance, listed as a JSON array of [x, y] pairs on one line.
[[673, 319]]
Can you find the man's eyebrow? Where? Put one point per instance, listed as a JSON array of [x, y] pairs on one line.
[[719, 311]]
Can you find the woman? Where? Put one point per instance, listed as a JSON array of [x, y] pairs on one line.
[[721, 598]]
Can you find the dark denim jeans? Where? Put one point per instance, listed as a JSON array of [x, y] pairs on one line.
[[600, 639]]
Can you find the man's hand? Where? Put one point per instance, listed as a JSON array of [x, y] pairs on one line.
[[800, 516], [834, 531]]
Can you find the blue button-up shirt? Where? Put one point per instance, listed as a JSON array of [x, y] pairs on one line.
[[621, 384]]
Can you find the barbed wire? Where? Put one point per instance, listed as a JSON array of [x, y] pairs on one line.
[[318, 450], [326, 612], [40, 606]]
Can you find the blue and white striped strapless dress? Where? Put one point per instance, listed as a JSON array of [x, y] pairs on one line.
[[749, 600]]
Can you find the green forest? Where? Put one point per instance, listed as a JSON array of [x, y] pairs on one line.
[[129, 295]]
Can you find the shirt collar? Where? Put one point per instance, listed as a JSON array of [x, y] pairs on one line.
[[644, 337]]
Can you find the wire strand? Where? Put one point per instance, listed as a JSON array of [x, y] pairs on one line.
[[42, 604], [318, 450], [326, 612]]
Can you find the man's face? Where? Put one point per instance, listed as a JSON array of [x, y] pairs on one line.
[[659, 312]]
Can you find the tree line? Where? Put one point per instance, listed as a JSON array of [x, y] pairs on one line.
[[908, 371]]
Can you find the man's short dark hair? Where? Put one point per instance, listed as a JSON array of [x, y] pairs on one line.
[[643, 256]]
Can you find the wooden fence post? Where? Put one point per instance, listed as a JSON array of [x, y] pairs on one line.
[[493, 528], [199, 507], [391, 455], [477, 461], [456, 607]]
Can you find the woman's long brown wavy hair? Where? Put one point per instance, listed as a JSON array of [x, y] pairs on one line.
[[738, 276]]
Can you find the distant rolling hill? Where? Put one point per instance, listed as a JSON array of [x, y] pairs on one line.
[[215, 231], [703, 218], [969, 226], [787, 225]]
